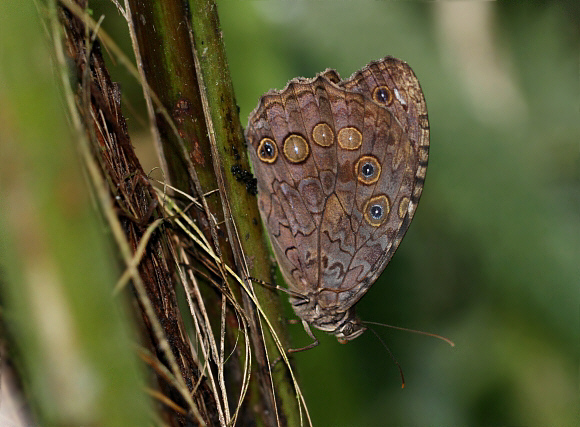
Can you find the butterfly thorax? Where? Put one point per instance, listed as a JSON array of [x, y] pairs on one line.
[[344, 325]]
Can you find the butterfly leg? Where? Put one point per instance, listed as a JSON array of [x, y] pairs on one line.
[[280, 288], [313, 344]]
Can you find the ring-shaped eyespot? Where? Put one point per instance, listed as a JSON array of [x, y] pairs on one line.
[[349, 138], [383, 95], [267, 150], [367, 170], [403, 207], [296, 148], [376, 210], [323, 135]]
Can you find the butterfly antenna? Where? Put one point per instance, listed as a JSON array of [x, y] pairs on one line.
[[400, 328], [392, 356]]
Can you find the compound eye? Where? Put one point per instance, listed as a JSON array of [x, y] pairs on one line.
[[347, 330]]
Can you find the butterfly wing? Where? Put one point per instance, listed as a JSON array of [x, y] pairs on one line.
[[340, 173], [392, 83]]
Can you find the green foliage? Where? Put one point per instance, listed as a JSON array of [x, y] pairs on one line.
[[70, 338]]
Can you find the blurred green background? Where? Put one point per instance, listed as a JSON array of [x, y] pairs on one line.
[[491, 259]]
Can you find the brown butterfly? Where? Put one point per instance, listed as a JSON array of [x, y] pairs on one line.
[[340, 166]]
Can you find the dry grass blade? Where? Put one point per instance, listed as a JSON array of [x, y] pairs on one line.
[[194, 233], [205, 335]]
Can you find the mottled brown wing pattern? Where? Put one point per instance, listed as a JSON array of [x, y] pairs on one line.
[[340, 168], [393, 83]]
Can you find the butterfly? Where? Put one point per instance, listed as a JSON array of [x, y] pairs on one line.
[[340, 166]]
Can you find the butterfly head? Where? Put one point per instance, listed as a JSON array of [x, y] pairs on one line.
[[345, 326], [349, 328]]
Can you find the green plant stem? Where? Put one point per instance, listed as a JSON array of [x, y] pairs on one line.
[[232, 153]]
